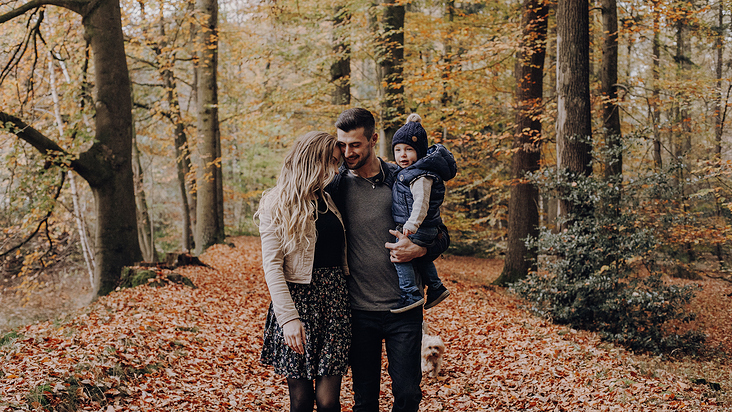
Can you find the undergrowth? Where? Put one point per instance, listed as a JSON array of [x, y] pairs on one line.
[[588, 277]]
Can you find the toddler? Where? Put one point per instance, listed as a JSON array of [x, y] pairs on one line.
[[418, 192]]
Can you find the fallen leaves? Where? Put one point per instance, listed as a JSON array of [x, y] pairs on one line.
[[176, 348]]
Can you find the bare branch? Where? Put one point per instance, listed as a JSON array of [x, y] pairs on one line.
[[20, 49], [44, 220], [73, 5], [147, 107], [33, 4]]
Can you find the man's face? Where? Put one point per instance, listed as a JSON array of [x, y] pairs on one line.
[[357, 149]]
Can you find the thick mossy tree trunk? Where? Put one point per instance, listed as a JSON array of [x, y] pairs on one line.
[[107, 165], [523, 205]]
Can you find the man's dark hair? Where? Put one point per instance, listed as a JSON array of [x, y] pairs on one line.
[[355, 118]]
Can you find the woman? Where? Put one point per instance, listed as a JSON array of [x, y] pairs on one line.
[[308, 331]]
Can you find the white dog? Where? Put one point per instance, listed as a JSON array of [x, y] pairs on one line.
[[432, 350]]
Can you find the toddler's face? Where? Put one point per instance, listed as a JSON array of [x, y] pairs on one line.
[[404, 155]]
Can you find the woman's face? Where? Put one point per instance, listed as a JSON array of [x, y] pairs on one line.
[[335, 162], [336, 159]]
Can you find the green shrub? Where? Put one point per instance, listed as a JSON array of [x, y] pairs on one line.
[[588, 275]]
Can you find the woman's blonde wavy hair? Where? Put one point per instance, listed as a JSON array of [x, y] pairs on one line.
[[307, 169]]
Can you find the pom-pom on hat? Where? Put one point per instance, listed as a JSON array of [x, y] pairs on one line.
[[413, 134]]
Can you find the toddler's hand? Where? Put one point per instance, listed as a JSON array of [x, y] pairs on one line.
[[407, 232]]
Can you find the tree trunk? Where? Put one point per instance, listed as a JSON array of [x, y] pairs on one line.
[[81, 227], [523, 205], [390, 52], [682, 57], [573, 125], [186, 182], [655, 94], [340, 70], [210, 204], [609, 80], [550, 204], [682, 148], [186, 186], [721, 102], [116, 238], [145, 232], [86, 248], [446, 73], [107, 165]]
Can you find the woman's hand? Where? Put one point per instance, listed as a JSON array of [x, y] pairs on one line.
[[294, 335]]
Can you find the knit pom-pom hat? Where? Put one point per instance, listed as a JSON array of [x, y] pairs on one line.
[[413, 134]]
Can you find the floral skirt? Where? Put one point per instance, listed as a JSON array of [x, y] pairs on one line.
[[325, 313]]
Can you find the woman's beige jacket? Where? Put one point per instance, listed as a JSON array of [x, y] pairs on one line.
[[296, 267]]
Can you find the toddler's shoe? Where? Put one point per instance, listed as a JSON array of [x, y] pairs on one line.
[[435, 296], [407, 302]]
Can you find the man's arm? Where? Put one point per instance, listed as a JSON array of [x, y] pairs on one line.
[[404, 250]]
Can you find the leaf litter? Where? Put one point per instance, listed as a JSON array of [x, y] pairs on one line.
[[176, 348]]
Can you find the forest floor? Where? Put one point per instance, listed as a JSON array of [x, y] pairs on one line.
[[177, 348]]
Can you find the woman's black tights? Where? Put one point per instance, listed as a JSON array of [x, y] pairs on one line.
[[325, 392]]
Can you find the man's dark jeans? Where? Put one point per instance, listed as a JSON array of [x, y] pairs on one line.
[[402, 333]]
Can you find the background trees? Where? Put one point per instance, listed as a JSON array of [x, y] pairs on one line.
[[288, 67], [106, 164], [210, 189], [523, 205]]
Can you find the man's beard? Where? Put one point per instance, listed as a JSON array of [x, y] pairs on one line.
[[360, 163]]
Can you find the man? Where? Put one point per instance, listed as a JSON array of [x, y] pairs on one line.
[[363, 193]]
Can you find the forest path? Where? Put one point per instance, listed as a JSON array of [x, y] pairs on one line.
[[174, 348]]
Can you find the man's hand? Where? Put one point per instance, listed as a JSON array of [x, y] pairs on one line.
[[404, 250]]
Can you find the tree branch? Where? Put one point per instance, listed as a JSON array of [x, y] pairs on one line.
[[89, 170], [35, 138], [76, 6], [163, 113], [20, 49], [44, 220], [33, 4]]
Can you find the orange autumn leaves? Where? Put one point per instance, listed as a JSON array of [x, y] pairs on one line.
[[180, 349]]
